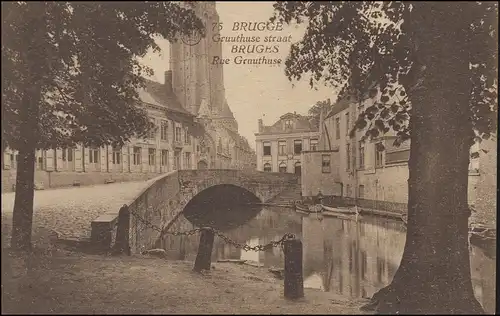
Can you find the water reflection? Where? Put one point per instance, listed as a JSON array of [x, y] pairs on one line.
[[341, 256]]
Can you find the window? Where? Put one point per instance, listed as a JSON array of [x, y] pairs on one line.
[[361, 156], [361, 191], [325, 163], [13, 160], [347, 123], [178, 134], [152, 131], [164, 130], [93, 155], [41, 164], [282, 167], [151, 156], [187, 160], [219, 145], [63, 156], [267, 167], [187, 138], [379, 155], [314, 144], [348, 156], [337, 127], [267, 148], [177, 160], [164, 157], [282, 148], [117, 155], [288, 124], [137, 156], [297, 146]]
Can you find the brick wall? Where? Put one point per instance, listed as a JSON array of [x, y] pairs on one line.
[[314, 179]]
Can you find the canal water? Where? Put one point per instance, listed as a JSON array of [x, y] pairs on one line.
[[341, 256]]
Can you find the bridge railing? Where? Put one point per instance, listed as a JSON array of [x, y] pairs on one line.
[[147, 203]]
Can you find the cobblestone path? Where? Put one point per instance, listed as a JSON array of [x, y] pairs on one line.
[[70, 211]]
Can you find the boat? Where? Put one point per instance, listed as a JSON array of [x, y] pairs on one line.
[[302, 209], [350, 211]]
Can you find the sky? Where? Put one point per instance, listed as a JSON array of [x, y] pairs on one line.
[[253, 91]]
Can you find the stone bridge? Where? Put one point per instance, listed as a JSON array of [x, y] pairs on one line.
[[185, 199]]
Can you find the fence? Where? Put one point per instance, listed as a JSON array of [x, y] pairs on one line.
[[292, 248]]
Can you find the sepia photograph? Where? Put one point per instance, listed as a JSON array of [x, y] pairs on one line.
[[249, 157]]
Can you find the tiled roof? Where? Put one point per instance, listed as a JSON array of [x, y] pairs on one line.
[[159, 94]]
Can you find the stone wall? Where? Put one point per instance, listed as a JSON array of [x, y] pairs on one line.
[[56, 179], [160, 206]]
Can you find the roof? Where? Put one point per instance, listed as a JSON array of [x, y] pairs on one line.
[[238, 139], [226, 111], [302, 124], [159, 94], [339, 106]]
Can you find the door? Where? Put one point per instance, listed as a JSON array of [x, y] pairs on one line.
[[202, 164], [298, 168]]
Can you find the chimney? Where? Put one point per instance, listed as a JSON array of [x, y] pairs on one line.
[[261, 126], [168, 80]]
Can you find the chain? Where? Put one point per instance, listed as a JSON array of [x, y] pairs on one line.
[[228, 240]]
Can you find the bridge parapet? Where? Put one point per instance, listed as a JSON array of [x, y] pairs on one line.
[[160, 205]]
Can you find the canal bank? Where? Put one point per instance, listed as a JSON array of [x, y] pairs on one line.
[[341, 257], [72, 283]]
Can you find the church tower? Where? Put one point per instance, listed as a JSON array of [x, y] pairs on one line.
[[195, 79]]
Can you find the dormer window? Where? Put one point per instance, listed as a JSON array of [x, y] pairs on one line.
[[288, 124]]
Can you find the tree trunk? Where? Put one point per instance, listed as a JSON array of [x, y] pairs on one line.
[[22, 217], [434, 275], [37, 71]]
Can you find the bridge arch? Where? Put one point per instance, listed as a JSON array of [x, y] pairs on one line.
[[222, 206]]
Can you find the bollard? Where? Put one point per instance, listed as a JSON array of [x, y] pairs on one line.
[[204, 256], [294, 283], [122, 232]]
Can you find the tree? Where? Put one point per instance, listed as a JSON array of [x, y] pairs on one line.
[[315, 111], [432, 69], [70, 75]]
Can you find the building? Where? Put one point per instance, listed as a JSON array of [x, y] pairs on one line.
[[199, 86], [195, 126], [375, 172], [279, 146]]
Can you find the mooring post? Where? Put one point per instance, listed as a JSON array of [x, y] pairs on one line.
[[122, 232], [204, 257], [294, 282]]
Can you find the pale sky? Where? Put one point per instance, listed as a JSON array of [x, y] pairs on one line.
[[254, 91]]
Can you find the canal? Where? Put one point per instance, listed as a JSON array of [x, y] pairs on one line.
[[340, 256]]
